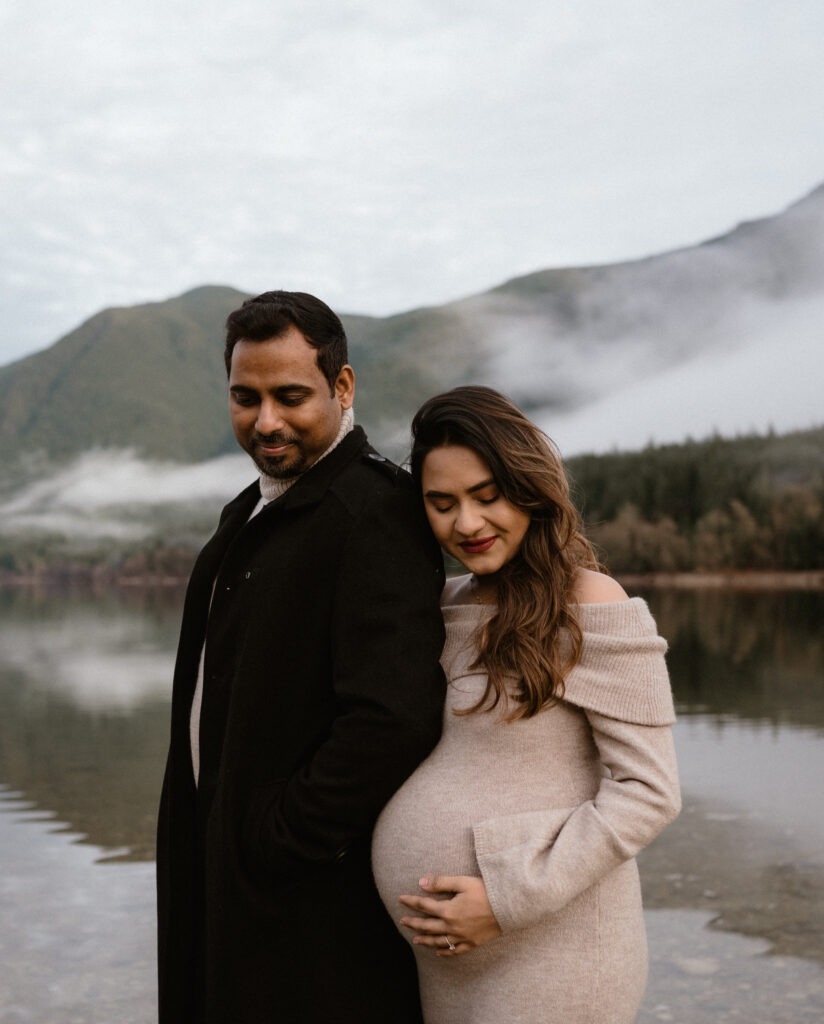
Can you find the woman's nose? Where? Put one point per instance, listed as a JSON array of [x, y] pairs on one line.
[[469, 519]]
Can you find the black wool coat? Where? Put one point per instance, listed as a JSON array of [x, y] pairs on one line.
[[322, 693]]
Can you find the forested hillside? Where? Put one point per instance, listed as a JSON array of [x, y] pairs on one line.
[[750, 503]]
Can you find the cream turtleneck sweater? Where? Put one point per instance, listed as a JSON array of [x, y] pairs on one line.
[[271, 488]]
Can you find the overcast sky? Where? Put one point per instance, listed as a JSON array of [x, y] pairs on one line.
[[383, 156]]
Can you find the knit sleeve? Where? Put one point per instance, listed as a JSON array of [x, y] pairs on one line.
[[534, 862]]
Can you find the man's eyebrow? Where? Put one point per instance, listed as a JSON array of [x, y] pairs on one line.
[[469, 490], [284, 389]]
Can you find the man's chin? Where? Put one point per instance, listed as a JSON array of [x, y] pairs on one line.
[[280, 468]]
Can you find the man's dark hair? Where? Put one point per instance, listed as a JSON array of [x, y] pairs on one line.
[[271, 314]]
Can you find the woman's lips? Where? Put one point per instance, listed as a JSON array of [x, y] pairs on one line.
[[477, 547]]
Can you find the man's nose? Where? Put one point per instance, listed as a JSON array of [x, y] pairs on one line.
[[269, 419], [469, 519]]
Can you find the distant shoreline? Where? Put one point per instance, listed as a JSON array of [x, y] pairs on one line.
[[733, 579], [739, 579]]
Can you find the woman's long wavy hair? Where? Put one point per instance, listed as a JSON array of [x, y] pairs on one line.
[[523, 638]]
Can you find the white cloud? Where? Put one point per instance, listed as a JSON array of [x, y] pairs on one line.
[[383, 157]]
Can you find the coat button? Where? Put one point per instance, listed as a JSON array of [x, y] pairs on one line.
[[247, 575]]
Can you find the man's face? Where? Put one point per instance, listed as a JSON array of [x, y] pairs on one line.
[[282, 411]]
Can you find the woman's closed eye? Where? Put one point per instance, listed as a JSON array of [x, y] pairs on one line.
[[447, 506]]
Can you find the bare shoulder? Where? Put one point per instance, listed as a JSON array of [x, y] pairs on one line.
[[456, 590], [590, 587]]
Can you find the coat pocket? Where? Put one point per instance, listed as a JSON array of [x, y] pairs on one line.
[[268, 858]]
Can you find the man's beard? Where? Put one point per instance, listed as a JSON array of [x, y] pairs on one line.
[[279, 467]]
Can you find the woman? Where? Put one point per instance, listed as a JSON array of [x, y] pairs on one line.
[[507, 857]]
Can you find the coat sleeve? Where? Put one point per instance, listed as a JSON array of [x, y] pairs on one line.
[[535, 862], [387, 635]]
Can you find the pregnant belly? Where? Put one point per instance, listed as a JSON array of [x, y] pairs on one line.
[[478, 771], [426, 829]]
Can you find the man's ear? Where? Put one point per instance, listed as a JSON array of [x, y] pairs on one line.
[[345, 387]]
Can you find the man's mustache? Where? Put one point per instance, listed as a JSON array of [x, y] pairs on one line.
[[274, 439]]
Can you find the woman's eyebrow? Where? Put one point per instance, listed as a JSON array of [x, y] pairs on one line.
[[469, 490], [480, 486]]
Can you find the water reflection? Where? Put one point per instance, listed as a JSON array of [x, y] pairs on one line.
[[752, 656], [84, 709], [84, 693], [748, 849]]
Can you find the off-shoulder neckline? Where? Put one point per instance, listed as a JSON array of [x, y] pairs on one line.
[[586, 604], [631, 617]]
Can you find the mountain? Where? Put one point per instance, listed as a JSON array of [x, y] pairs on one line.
[[723, 335], [560, 340], [146, 377]]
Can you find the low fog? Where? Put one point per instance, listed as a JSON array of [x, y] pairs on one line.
[[722, 336], [115, 494], [772, 381]]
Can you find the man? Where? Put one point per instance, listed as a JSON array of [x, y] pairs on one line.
[[307, 688]]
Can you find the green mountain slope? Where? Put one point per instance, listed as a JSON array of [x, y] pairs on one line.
[[146, 377], [151, 378]]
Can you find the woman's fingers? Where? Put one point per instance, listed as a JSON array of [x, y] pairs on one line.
[[460, 947], [424, 904], [434, 941], [440, 945], [465, 916], [426, 925], [444, 883]]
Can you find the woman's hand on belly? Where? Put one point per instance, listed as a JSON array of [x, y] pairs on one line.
[[454, 925]]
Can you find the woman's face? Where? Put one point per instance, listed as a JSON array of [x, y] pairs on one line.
[[469, 516]]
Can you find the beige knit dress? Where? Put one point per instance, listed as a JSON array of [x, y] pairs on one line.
[[550, 812]]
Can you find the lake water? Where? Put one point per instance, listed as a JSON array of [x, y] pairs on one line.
[[734, 889]]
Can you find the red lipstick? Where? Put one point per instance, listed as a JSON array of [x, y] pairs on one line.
[[477, 545]]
